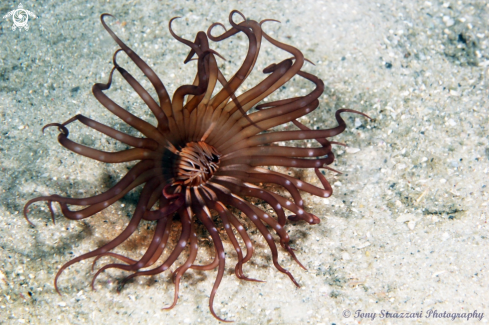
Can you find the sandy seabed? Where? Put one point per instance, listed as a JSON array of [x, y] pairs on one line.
[[404, 232]]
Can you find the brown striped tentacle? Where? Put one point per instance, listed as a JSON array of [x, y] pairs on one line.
[[163, 97], [128, 231]]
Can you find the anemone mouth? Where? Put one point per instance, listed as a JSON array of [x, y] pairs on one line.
[[195, 164]]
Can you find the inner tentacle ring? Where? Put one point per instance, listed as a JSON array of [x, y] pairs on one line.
[[196, 163]]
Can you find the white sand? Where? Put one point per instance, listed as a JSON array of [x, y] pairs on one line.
[[405, 231]]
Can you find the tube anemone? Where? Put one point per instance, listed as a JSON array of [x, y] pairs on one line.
[[204, 156]]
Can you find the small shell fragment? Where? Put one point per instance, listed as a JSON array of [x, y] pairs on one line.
[[352, 150], [411, 224]]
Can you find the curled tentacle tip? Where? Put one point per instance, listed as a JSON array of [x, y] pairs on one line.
[[177, 17], [105, 14], [215, 53], [218, 24], [347, 110], [168, 307], [302, 266], [223, 320], [26, 208], [93, 265], [295, 258], [339, 143], [236, 12], [306, 59], [211, 27], [61, 128], [273, 20], [114, 57], [242, 277], [332, 169], [50, 125]]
